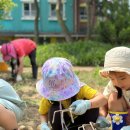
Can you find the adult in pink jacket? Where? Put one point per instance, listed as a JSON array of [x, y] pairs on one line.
[[15, 51]]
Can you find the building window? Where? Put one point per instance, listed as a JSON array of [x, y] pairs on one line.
[[29, 10], [83, 12], [52, 10]]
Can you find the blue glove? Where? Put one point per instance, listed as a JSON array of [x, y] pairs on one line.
[[79, 107], [44, 126], [125, 128], [102, 122]]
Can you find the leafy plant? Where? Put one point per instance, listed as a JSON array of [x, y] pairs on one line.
[[82, 53], [114, 23]]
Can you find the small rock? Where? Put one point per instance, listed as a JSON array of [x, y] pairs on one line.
[[22, 127], [38, 127]]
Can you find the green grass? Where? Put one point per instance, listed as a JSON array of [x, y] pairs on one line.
[[92, 78], [81, 53]]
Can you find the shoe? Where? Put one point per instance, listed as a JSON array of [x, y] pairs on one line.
[[19, 78]]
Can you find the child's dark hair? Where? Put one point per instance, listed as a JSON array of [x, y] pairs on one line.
[[119, 92]]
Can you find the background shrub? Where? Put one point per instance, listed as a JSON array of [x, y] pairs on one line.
[[81, 53]]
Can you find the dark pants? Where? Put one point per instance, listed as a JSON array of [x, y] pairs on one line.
[[32, 56], [90, 115], [14, 64]]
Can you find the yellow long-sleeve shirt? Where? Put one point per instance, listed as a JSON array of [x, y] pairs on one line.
[[85, 92]]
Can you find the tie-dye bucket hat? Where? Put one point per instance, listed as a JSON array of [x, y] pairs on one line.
[[58, 82], [8, 51]]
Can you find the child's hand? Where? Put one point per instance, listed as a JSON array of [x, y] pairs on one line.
[[102, 122], [15, 71], [125, 128], [79, 107]]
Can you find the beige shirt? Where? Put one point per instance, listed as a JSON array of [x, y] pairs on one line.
[[110, 88]]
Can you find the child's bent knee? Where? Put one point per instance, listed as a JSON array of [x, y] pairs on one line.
[[8, 119]]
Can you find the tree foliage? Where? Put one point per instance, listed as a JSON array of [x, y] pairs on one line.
[[5, 6], [115, 21]]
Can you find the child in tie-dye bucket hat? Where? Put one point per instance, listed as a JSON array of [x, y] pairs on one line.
[[59, 87], [117, 69]]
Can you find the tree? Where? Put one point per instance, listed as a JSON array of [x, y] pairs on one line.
[[36, 29], [5, 6], [91, 11], [115, 21], [61, 22]]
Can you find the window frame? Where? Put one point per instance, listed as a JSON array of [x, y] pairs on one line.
[[54, 18], [83, 18], [30, 16]]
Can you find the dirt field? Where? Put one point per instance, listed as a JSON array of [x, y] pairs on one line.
[[26, 90]]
